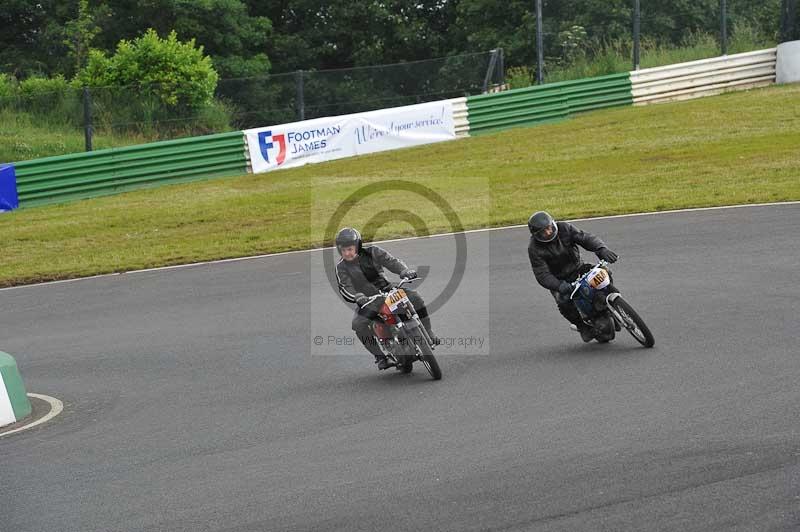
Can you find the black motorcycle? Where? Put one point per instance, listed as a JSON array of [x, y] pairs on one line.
[[602, 307]]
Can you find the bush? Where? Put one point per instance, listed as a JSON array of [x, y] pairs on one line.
[[50, 100], [520, 77], [37, 87], [177, 73], [156, 87]]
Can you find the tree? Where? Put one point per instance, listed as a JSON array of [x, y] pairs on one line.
[[235, 40], [319, 34], [79, 34]]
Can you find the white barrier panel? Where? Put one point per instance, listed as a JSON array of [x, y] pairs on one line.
[[788, 69], [336, 137], [704, 78], [461, 116]]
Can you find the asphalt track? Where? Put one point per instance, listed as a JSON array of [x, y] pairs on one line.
[[196, 400]]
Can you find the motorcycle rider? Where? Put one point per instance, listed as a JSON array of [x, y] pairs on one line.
[[359, 275], [556, 262]]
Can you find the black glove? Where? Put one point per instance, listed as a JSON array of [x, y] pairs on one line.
[[607, 255], [565, 288], [409, 274], [361, 300]]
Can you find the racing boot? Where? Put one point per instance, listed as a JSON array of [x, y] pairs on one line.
[[587, 333], [383, 362]]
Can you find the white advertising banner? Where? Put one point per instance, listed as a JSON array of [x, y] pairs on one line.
[[336, 137]]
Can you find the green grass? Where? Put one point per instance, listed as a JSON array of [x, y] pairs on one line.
[[732, 149], [24, 137]]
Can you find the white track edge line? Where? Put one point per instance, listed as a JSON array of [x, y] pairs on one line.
[[253, 257], [56, 407]]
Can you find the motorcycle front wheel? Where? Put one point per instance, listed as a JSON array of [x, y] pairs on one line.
[[633, 323], [428, 360]]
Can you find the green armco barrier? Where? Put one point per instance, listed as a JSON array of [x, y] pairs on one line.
[[488, 113], [14, 403], [99, 173]]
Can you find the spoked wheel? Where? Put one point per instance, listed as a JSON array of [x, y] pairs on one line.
[[428, 360], [633, 323]]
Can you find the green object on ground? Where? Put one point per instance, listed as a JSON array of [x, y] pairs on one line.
[[12, 391]]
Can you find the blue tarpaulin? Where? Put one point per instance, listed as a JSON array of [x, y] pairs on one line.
[[8, 188]]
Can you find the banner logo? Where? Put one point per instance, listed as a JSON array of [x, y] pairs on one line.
[[265, 144]]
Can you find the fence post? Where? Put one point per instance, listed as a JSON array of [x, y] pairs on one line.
[[637, 33], [87, 118], [502, 68], [788, 20], [490, 70], [301, 103], [539, 44], [723, 7]]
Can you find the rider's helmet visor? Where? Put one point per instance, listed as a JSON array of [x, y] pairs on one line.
[[546, 234]]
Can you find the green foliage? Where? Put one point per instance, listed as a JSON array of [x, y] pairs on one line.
[[178, 73], [574, 42], [50, 100], [234, 38], [152, 86], [746, 37], [520, 76], [615, 56], [254, 37], [79, 34], [8, 88], [37, 87]]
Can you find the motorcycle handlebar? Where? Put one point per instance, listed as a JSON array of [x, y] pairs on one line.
[[602, 264], [403, 281], [576, 283]]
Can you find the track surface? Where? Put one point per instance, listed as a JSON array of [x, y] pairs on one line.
[[195, 401]]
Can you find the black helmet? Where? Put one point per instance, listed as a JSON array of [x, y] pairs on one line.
[[538, 222], [348, 237]]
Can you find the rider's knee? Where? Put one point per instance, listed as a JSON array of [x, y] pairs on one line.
[[360, 323]]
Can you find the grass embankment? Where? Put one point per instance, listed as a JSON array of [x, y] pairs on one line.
[[24, 137], [731, 149]]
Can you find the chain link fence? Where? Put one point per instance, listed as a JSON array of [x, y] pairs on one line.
[[644, 33], [141, 114], [613, 39]]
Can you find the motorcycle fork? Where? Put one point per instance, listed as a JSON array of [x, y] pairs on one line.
[[418, 324], [616, 315]]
